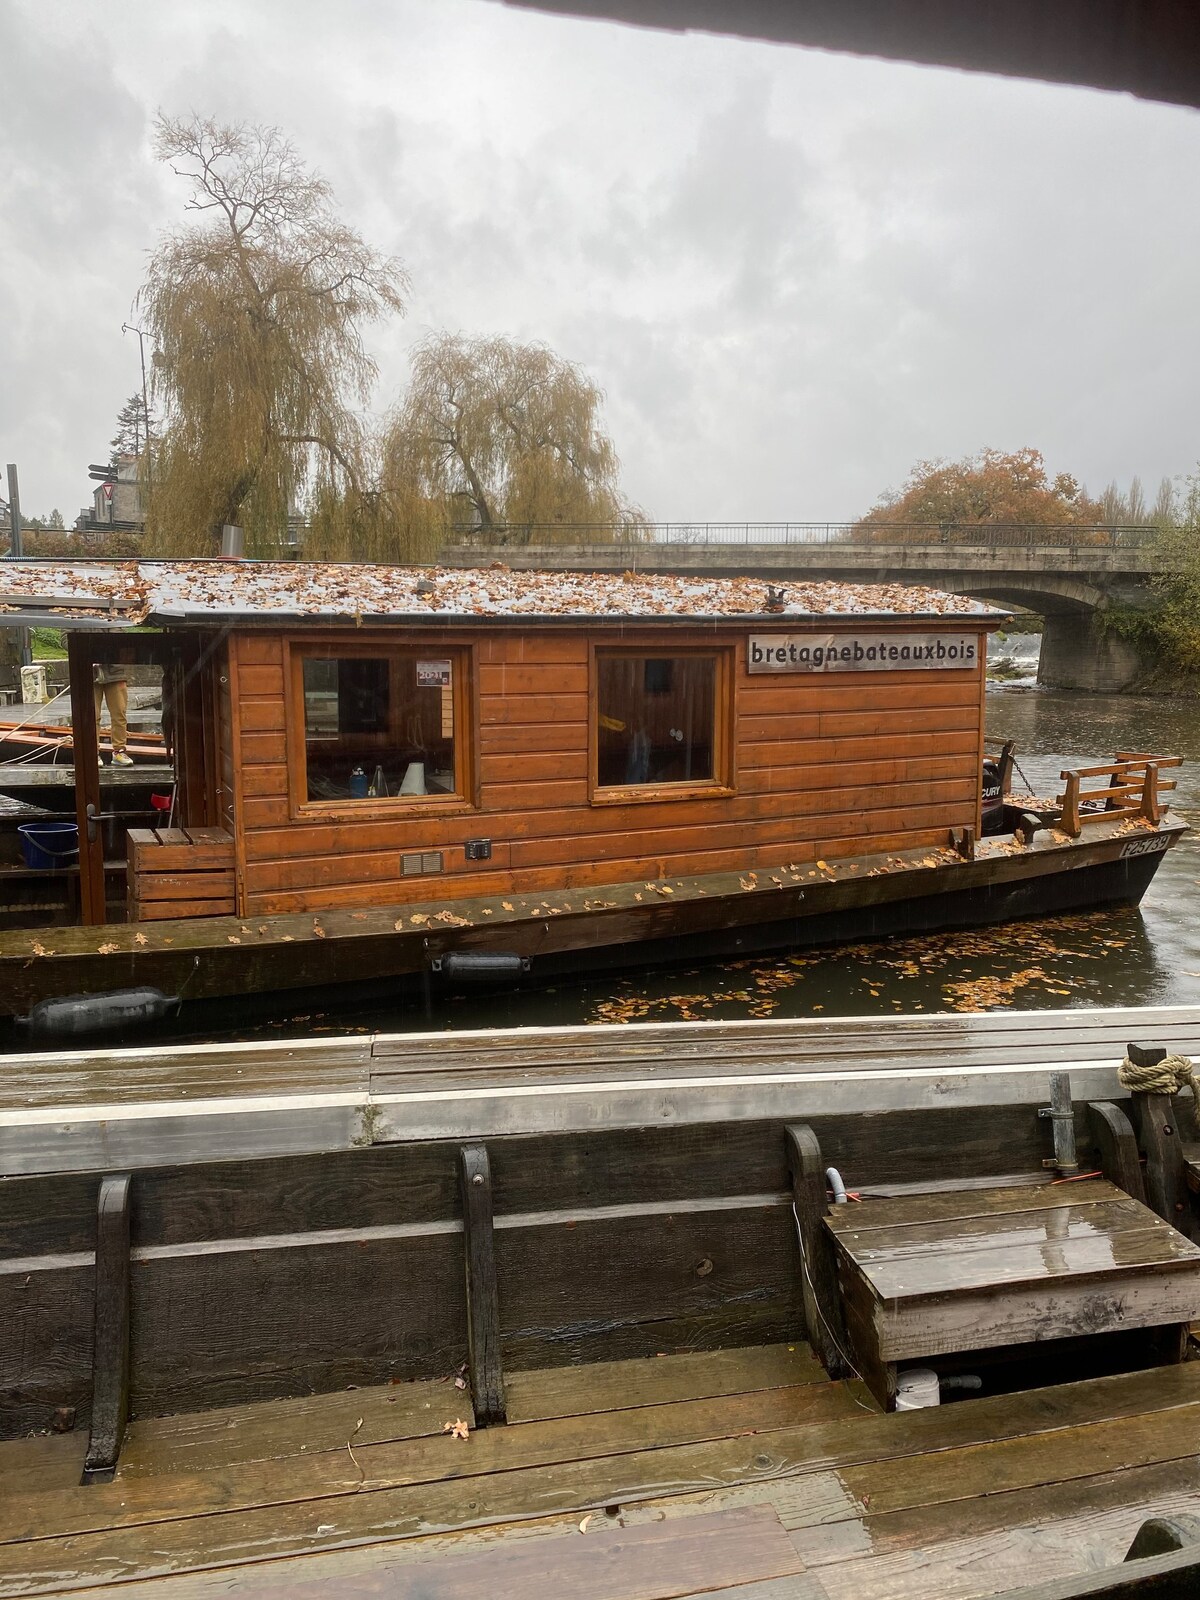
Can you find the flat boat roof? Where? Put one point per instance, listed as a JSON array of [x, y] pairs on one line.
[[122, 594]]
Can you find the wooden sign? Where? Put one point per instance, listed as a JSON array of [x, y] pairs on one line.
[[861, 652]]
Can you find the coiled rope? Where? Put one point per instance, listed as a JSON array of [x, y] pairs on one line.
[[1167, 1076]]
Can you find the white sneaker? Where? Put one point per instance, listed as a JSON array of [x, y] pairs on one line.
[[121, 759]]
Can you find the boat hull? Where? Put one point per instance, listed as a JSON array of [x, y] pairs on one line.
[[602, 928]]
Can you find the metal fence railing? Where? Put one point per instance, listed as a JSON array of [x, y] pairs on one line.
[[859, 535]]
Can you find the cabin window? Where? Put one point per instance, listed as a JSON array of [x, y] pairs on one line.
[[658, 721], [380, 725]]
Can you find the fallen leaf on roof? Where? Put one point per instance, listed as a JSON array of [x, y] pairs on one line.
[[418, 918], [40, 949], [583, 1525], [233, 938], [506, 905], [458, 1429], [140, 938], [451, 920], [108, 949], [318, 930]]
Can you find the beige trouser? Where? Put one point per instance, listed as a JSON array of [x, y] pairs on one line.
[[116, 696]]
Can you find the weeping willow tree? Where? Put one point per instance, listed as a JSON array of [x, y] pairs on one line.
[[506, 440], [257, 310]]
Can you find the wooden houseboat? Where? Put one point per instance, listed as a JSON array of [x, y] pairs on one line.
[[382, 772], [583, 1313]]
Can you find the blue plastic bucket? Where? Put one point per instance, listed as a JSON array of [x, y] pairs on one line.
[[49, 844]]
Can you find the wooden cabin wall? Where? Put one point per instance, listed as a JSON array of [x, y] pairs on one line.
[[825, 766]]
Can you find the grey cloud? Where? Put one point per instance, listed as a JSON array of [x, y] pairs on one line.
[[793, 274]]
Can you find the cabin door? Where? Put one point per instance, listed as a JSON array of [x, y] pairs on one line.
[[159, 689]]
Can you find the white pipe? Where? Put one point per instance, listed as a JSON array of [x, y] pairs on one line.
[[833, 1179]]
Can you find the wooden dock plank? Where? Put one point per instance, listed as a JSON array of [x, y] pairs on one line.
[[657, 1380], [431, 1461], [273, 1430], [803, 1455]]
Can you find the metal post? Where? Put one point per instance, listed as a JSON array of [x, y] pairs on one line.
[[16, 550]]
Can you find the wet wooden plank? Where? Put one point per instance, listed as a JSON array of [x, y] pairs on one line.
[[431, 1462], [1167, 1486], [953, 1205], [1080, 1452], [1115, 1214], [88, 1078], [42, 1461], [724, 1551], [657, 1380], [908, 1275], [780, 1452], [662, 1553], [1045, 1558], [1053, 1309], [272, 1430]]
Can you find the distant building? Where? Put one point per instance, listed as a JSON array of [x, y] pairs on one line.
[[116, 506]]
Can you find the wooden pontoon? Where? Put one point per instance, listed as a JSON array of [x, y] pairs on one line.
[[414, 769], [250, 1291]]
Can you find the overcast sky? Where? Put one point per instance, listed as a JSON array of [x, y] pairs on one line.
[[794, 274]]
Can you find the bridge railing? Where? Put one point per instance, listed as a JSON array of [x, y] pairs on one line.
[[858, 535]]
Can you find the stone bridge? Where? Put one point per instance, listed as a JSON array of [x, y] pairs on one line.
[[1065, 575]]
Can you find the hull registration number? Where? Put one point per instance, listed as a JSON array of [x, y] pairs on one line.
[[1143, 847]]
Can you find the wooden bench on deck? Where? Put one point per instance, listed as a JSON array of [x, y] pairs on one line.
[[180, 872], [989, 1270]]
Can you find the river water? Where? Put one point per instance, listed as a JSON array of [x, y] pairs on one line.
[[1144, 956]]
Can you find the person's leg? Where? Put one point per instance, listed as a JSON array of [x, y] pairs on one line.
[[99, 693], [117, 695]]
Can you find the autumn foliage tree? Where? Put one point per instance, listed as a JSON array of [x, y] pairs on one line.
[[257, 312], [505, 438], [990, 487]]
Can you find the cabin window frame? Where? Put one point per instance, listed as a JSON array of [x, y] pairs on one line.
[[465, 798], [723, 782]]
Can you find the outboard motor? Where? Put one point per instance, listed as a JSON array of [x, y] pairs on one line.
[[993, 796], [76, 1015]]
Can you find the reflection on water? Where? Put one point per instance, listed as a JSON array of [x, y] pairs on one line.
[[1144, 956]]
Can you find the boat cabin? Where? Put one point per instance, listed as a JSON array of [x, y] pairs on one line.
[[342, 736]]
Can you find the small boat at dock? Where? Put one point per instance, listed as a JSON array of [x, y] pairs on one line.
[[799, 1310]]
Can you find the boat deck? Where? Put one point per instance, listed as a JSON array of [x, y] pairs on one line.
[[744, 1472]]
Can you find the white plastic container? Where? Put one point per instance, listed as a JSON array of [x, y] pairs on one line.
[[917, 1388], [33, 686]]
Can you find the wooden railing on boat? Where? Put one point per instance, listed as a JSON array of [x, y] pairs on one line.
[[1132, 787]]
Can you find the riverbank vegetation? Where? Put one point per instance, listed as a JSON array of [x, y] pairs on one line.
[[992, 486], [258, 311], [1166, 633]]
